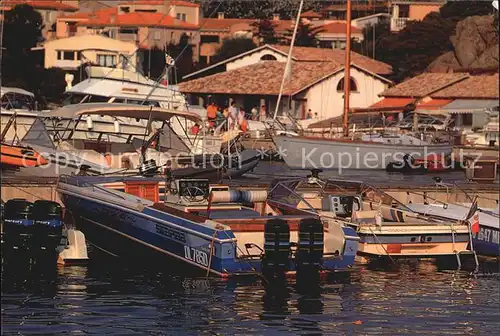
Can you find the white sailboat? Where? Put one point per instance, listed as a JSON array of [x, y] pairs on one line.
[[304, 152]]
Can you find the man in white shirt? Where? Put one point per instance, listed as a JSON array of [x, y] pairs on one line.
[[233, 115]]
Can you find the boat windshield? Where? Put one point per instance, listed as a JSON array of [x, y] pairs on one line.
[[15, 100], [285, 191]]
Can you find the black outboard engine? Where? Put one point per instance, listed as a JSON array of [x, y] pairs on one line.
[[148, 168], [48, 225], [309, 255], [276, 246], [17, 224]]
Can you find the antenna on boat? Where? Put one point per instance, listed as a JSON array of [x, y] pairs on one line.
[[347, 68]]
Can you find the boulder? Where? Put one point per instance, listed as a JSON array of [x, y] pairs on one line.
[[475, 45]]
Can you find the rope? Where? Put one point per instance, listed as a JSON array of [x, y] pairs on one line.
[[212, 250], [386, 252]]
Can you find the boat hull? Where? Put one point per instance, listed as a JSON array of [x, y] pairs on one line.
[[169, 232], [316, 153], [487, 241]]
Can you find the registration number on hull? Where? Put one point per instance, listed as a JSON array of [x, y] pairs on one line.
[[197, 256]]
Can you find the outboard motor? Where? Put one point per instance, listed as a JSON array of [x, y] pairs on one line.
[[148, 168], [276, 246], [48, 225], [310, 247], [18, 224]]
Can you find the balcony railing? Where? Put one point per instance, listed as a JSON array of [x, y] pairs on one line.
[[398, 24]]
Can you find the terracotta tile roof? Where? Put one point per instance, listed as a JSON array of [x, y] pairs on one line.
[[138, 19], [474, 87], [308, 54], [222, 24], [40, 4], [282, 26], [263, 78], [161, 2], [311, 15], [424, 84], [103, 13], [214, 24], [336, 28]]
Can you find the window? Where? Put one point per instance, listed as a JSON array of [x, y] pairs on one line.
[[125, 9], [123, 62], [67, 55], [181, 16], [146, 10], [268, 57], [209, 39], [467, 119], [352, 84], [106, 60], [128, 30], [404, 11]]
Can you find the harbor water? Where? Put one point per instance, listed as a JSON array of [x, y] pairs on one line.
[[106, 297]]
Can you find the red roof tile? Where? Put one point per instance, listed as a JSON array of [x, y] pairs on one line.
[[311, 15], [138, 19], [474, 87], [223, 24], [309, 54], [40, 4], [161, 2], [215, 24], [424, 84], [103, 13], [263, 78], [337, 28]]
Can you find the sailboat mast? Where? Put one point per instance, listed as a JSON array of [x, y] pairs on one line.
[[347, 68], [288, 65]]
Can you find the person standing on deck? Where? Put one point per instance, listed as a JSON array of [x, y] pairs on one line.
[[255, 113], [233, 115], [263, 113], [211, 113]]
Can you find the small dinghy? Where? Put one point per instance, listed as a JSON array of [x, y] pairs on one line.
[[410, 165], [20, 156]]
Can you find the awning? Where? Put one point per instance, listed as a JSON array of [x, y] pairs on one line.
[[462, 106], [397, 103], [434, 104], [385, 105]]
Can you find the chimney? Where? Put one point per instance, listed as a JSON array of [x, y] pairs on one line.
[[220, 15], [276, 17]]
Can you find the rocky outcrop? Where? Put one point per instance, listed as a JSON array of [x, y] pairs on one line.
[[475, 45]]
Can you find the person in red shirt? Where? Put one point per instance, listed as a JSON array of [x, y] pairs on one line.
[[211, 111], [195, 129]]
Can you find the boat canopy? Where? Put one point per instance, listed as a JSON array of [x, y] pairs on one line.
[[6, 90], [120, 110]]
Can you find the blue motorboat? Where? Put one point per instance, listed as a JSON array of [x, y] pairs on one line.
[[212, 228]]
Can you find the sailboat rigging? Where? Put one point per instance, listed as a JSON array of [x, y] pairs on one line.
[[310, 152]]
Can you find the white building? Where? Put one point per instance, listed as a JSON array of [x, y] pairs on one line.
[[253, 79]]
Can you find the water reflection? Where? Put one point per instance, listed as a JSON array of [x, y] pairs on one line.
[[110, 298]]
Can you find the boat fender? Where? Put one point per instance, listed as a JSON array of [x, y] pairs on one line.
[[90, 124]]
